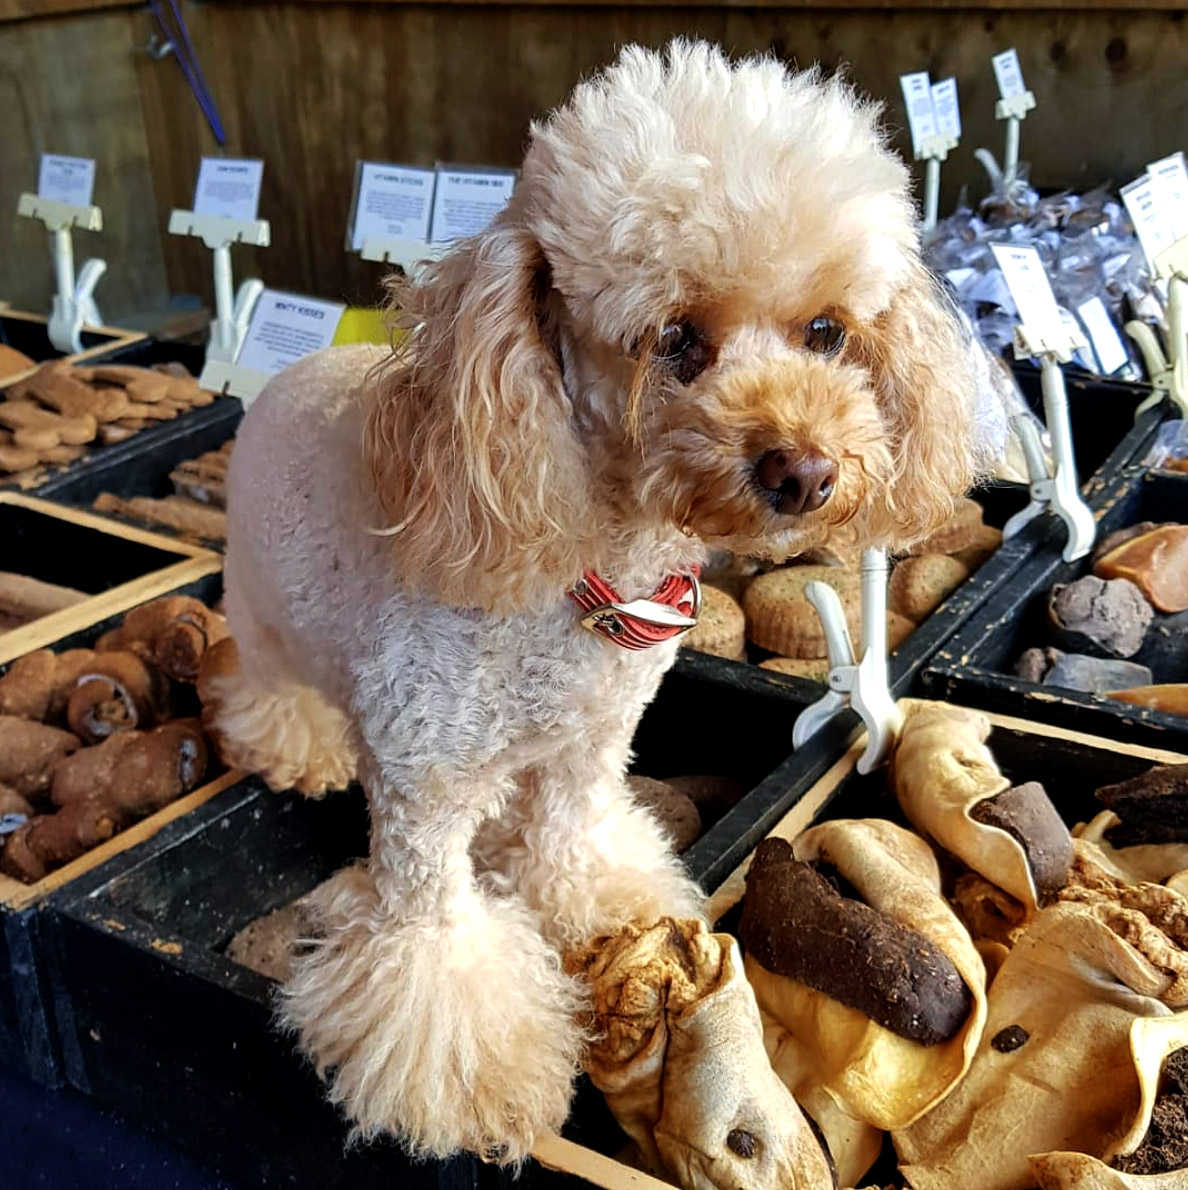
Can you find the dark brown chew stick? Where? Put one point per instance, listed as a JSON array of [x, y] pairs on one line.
[[795, 923], [1165, 1147], [1026, 814], [1153, 807]]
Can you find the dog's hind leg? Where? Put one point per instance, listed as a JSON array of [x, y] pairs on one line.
[[438, 1013], [583, 853]]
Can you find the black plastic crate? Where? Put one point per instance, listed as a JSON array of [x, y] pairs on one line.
[[157, 1022], [28, 1037], [974, 666]]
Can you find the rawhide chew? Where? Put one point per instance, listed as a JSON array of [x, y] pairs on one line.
[[874, 1074], [1153, 807], [1156, 562], [1088, 1034], [120, 692], [30, 753], [796, 923], [942, 772], [27, 598], [678, 1053], [134, 773], [175, 631], [1139, 863], [1110, 614]]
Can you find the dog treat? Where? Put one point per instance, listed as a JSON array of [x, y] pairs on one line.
[[812, 669], [942, 771], [961, 531], [679, 1057], [119, 692], [174, 631], [1111, 614], [119, 431], [990, 914], [1094, 675], [1083, 1082], [58, 387], [1152, 807], [14, 458], [1034, 664], [673, 809], [1025, 813], [204, 479], [39, 684], [721, 627], [712, 795], [174, 512], [1165, 1146], [1111, 541], [795, 923], [986, 541], [13, 804], [29, 752], [13, 361], [874, 1074], [62, 454], [269, 944], [1171, 698], [919, 584], [47, 841], [39, 429], [1140, 863], [780, 619], [26, 598], [1156, 562]]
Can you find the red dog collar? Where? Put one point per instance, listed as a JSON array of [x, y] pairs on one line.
[[642, 623]]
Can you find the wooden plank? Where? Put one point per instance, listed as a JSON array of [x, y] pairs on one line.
[[15, 894], [43, 632], [68, 85], [555, 1152], [23, 10]]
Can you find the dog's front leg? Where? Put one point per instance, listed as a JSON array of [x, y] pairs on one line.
[[583, 853], [439, 1012]]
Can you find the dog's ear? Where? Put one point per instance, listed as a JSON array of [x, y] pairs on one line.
[[469, 437], [921, 362]]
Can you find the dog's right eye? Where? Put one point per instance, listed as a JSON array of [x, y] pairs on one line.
[[685, 349]]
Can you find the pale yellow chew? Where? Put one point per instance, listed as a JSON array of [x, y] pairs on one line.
[[720, 628]]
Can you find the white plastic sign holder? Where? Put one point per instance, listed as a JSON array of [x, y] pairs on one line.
[[1169, 374], [863, 686], [399, 250], [233, 310], [74, 301], [933, 152], [1014, 112]]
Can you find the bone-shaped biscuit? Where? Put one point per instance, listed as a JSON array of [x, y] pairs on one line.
[[38, 429]]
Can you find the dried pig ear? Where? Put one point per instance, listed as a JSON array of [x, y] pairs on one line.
[[952, 791], [1152, 863], [877, 1075], [1075, 1026], [679, 1056]]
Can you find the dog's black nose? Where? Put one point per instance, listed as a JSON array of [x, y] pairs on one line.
[[801, 480]]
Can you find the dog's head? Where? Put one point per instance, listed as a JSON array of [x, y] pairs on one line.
[[704, 309]]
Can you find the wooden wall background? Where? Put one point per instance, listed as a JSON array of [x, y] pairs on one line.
[[312, 86]]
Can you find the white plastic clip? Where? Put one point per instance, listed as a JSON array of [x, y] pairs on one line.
[[863, 686], [1059, 491], [1013, 111], [233, 310], [74, 302], [1169, 374], [402, 251]]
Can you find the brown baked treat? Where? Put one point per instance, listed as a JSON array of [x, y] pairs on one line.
[[13, 803], [899, 628], [30, 752], [1033, 665], [205, 479], [712, 795], [780, 618], [57, 386], [47, 841], [269, 944], [1156, 562], [119, 431], [174, 512], [1170, 697], [959, 532], [40, 429], [812, 669], [1111, 541], [1028, 816], [14, 458], [1153, 806], [62, 454], [13, 361], [175, 631], [720, 628], [675, 812], [920, 584], [1112, 615], [120, 692], [797, 924], [986, 540]]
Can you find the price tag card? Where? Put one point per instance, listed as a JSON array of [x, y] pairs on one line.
[[466, 200], [917, 96], [391, 200], [1169, 183], [1009, 74], [1029, 286], [66, 179], [285, 328], [1145, 213], [229, 186], [1103, 335], [946, 108]]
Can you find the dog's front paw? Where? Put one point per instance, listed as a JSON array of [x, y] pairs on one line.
[[454, 1035]]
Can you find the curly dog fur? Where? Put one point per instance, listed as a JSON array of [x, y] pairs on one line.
[[546, 419]]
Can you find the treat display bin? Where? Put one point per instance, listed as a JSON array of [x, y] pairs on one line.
[[28, 1035], [29, 334], [158, 1023], [974, 666]]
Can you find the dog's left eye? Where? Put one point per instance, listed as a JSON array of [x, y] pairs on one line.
[[685, 349], [824, 336]]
